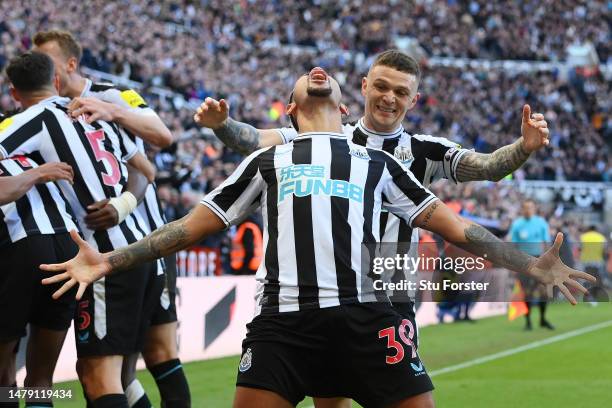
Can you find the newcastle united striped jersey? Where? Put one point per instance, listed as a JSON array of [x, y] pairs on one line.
[[321, 198], [97, 153], [429, 158], [149, 208], [41, 211]]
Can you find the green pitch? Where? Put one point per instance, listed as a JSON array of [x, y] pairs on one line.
[[571, 372]]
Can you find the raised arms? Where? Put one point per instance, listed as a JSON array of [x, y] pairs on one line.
[[505, 160]]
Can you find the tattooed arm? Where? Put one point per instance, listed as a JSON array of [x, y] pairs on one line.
[[238, 136], [505, 160], [494, 166], [548, 268], [89, 265]]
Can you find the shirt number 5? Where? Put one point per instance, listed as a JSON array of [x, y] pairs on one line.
[[95, 139]]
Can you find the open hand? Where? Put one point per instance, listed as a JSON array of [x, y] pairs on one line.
[[534, 130], [551, 271], [212, 113], [88, 266]]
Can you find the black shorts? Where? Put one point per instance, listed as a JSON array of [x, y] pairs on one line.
[[115, 312], [366, 352], [165, 309], [23, 298]]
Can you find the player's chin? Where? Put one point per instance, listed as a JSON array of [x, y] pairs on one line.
[[385, 118]]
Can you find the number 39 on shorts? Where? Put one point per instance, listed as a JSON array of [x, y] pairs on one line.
[[406, 334]]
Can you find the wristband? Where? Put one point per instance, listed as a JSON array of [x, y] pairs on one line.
[[124, 204]]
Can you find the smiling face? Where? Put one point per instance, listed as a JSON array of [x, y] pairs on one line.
[[389, 94]]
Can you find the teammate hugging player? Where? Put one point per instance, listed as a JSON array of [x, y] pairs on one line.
[[104, 160], [390, 91], [321, 328], [125, 107]]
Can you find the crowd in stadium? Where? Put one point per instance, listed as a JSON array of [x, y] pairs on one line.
[[252, 63]]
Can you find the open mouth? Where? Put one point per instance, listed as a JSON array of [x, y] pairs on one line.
[[318, 74]]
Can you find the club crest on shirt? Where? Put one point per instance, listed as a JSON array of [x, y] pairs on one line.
[[245, 361], [359, 152], [404, 154]]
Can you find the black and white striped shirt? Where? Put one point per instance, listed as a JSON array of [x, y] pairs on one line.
[[150, 207], [321, 199], [128, 98], [41, 211], [429, 158], [96, 152]]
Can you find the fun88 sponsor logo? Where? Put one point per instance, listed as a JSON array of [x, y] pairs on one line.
[[303, 180]]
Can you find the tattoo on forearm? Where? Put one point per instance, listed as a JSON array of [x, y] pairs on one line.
[[238, 136], [483, 243], [166, 240], [494, 166], [429, 213]]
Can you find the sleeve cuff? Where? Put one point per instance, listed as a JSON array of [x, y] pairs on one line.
[[3, 152], [450, 167], [130, 154], [421, 207], [218, 211]]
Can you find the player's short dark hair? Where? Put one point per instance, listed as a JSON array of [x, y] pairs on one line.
[[30, 71], [66, 41], [399, 61]]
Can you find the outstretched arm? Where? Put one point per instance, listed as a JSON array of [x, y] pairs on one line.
[[494, 166], [548, 268], [238, 136], [89, 265]]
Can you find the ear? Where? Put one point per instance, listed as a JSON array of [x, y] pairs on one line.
[[414, 100], [15, 94], [56, 82], [364, 85], [72, 65], [344, 109], [290, 108]]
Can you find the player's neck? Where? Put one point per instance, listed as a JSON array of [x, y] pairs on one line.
[[31, 99], [75, 86], [320, 120]]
